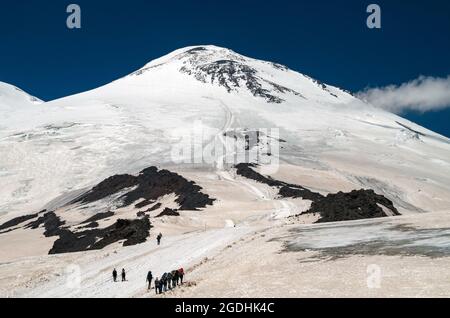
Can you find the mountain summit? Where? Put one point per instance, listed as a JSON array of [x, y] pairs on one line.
[[237, 73]]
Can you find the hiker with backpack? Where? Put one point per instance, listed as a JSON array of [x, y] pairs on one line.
[[164, 282], [124, 275], [169, 280], [157, 286], [114, 273], [149, 279], [181, 274], [175, 278], [158, 238]]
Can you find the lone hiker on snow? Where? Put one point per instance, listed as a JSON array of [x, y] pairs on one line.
[[149, 280], [158, 238], [124, 275], [114, 275]]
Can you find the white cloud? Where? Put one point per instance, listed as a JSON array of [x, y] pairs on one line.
[[422, 94]]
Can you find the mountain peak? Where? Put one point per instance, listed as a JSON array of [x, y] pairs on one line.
[[203, 52], [199, 54], [237, 73]]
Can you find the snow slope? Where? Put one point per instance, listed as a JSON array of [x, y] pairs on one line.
[[137, 121], [329, 141], [12, 97]]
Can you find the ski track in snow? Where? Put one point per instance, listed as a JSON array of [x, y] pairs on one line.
[[283, 208]]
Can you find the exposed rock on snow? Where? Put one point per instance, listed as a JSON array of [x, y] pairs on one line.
[[17, 221], [98, 217], [149, 185], [51, 223], [286, 190], [153, 208], [361, 204], [356, 205], [168, 212], [232, 75], [132, 232]]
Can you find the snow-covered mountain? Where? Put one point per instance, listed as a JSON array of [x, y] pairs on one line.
[[93, 162], [14, 99], [136, 121]]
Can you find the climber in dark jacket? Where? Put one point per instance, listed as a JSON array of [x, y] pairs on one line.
[[124, 275], [175, 278], [169, 280], [181, 274], [164, 282], [157, 286], [158, 238], [114, 273], [149, 279]]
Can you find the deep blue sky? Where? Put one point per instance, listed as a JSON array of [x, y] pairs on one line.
[[328, 40]]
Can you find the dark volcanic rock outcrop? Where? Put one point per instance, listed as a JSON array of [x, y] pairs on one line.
[[17, 221], [91, 225], [132, 232], [286, 190], [233, 73], [168, 212], [154, 208], [98, 217], [148, 186], [108, 187], [356, 205], [51, 223]]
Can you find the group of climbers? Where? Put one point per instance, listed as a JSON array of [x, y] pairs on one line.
[[168, 281], [124, 275]]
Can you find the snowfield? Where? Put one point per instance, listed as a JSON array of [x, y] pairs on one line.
[[245, 243]]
